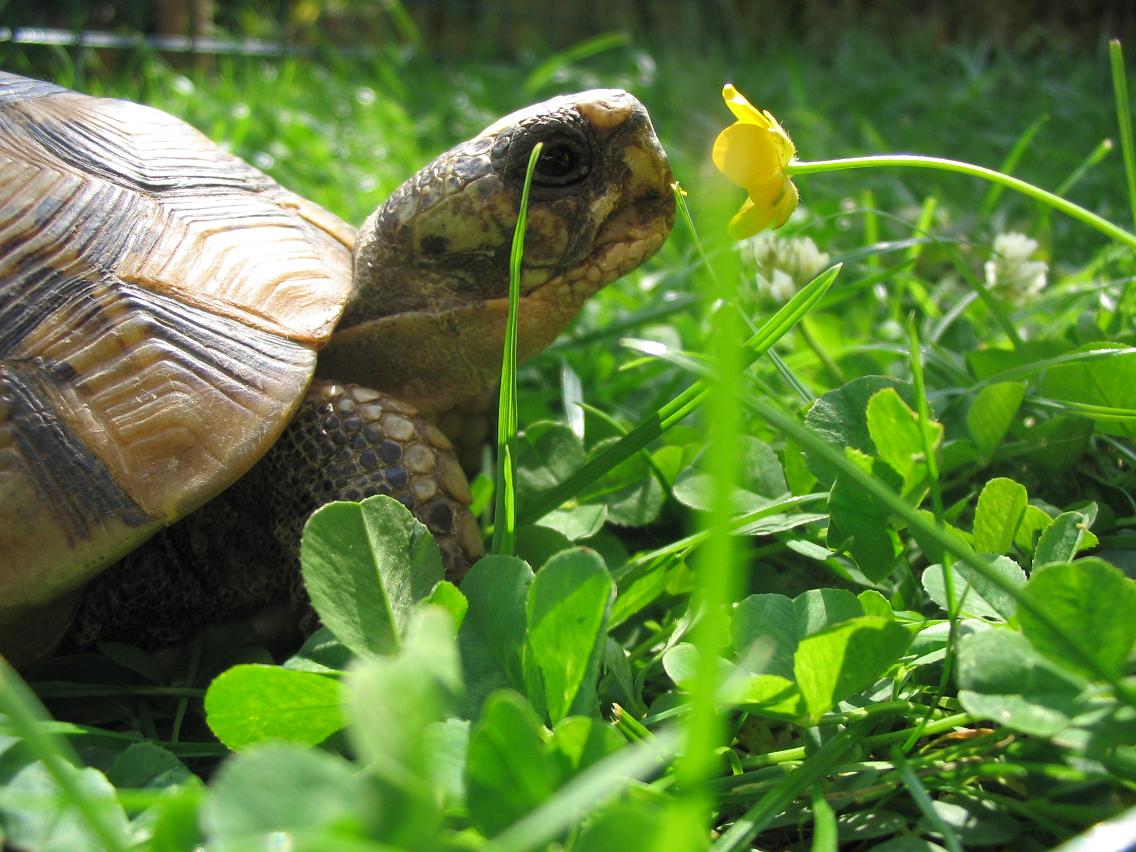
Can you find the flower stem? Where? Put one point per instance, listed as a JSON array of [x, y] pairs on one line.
[[945, 165]]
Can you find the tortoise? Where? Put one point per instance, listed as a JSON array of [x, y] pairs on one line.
[[162, 304]]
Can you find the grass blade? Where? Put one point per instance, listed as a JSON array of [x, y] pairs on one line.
[[994, 194], [607, 777], [1124, 119], [825, 838], [504, 511], [919, 795], [583, 50], [757, 818], [716, 565]]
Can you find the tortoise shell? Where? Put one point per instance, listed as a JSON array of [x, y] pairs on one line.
[[161, 304]]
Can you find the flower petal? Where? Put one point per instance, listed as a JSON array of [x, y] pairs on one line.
[[749, 220], [786, 150], [784, 206], [745, 153], [767, 190], [742, 109]]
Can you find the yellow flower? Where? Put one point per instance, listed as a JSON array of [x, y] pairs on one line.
[[753, 153]]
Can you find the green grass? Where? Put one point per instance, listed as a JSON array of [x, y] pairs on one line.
[[863, 580]]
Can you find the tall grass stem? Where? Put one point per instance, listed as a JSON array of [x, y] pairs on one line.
[[1124, 119], [716, 562], [504, 511]]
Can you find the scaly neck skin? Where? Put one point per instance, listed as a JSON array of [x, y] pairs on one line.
[[426, 317]]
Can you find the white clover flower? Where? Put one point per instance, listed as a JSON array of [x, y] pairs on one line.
[[1010, 270], [782, 265]]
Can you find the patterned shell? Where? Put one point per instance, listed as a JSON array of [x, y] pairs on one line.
[[161, 304]]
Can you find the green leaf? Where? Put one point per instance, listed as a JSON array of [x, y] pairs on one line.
[[858, 826], [579, 742], [1001, 506], [567, 611], [514, 764], [1059, 442], [576, 522], [933, 549], [895, 430], [392, 700], [447, 596], [840, 418], [992, 412], [845, 659], [250, 704], [1002, 677], [34, 813], [680, 662], [797, 474], [547, 454], [764, 634], [146, 765], [509, 771], [395, 704], [989, 362], [816, 609], [365, 566], [278, 788], [768, 632], [874, 603], [979, 597], [642, 825], [760, 479], [1093, 602], [641, 590], [770, 695], [447, 743], [322, 653], [1063, 539], [172, 821], [617, 666], [975, 822], [775, 523], [859, 523], [535, 544], [1109, 383], [763, 692], [1035, 521], [492, 638], [630, 491]]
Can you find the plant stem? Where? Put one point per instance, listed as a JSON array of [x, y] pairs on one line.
[[504, 509], [1124, 120], [944, 165]]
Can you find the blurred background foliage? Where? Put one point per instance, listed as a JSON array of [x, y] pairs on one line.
[[343, 99], [515, 27]]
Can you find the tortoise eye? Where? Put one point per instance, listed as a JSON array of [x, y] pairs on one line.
[[562, 162]]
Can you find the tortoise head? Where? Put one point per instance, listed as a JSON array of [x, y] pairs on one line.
[[427, 313]]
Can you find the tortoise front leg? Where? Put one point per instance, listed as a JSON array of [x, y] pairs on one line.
[[240, 552]]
